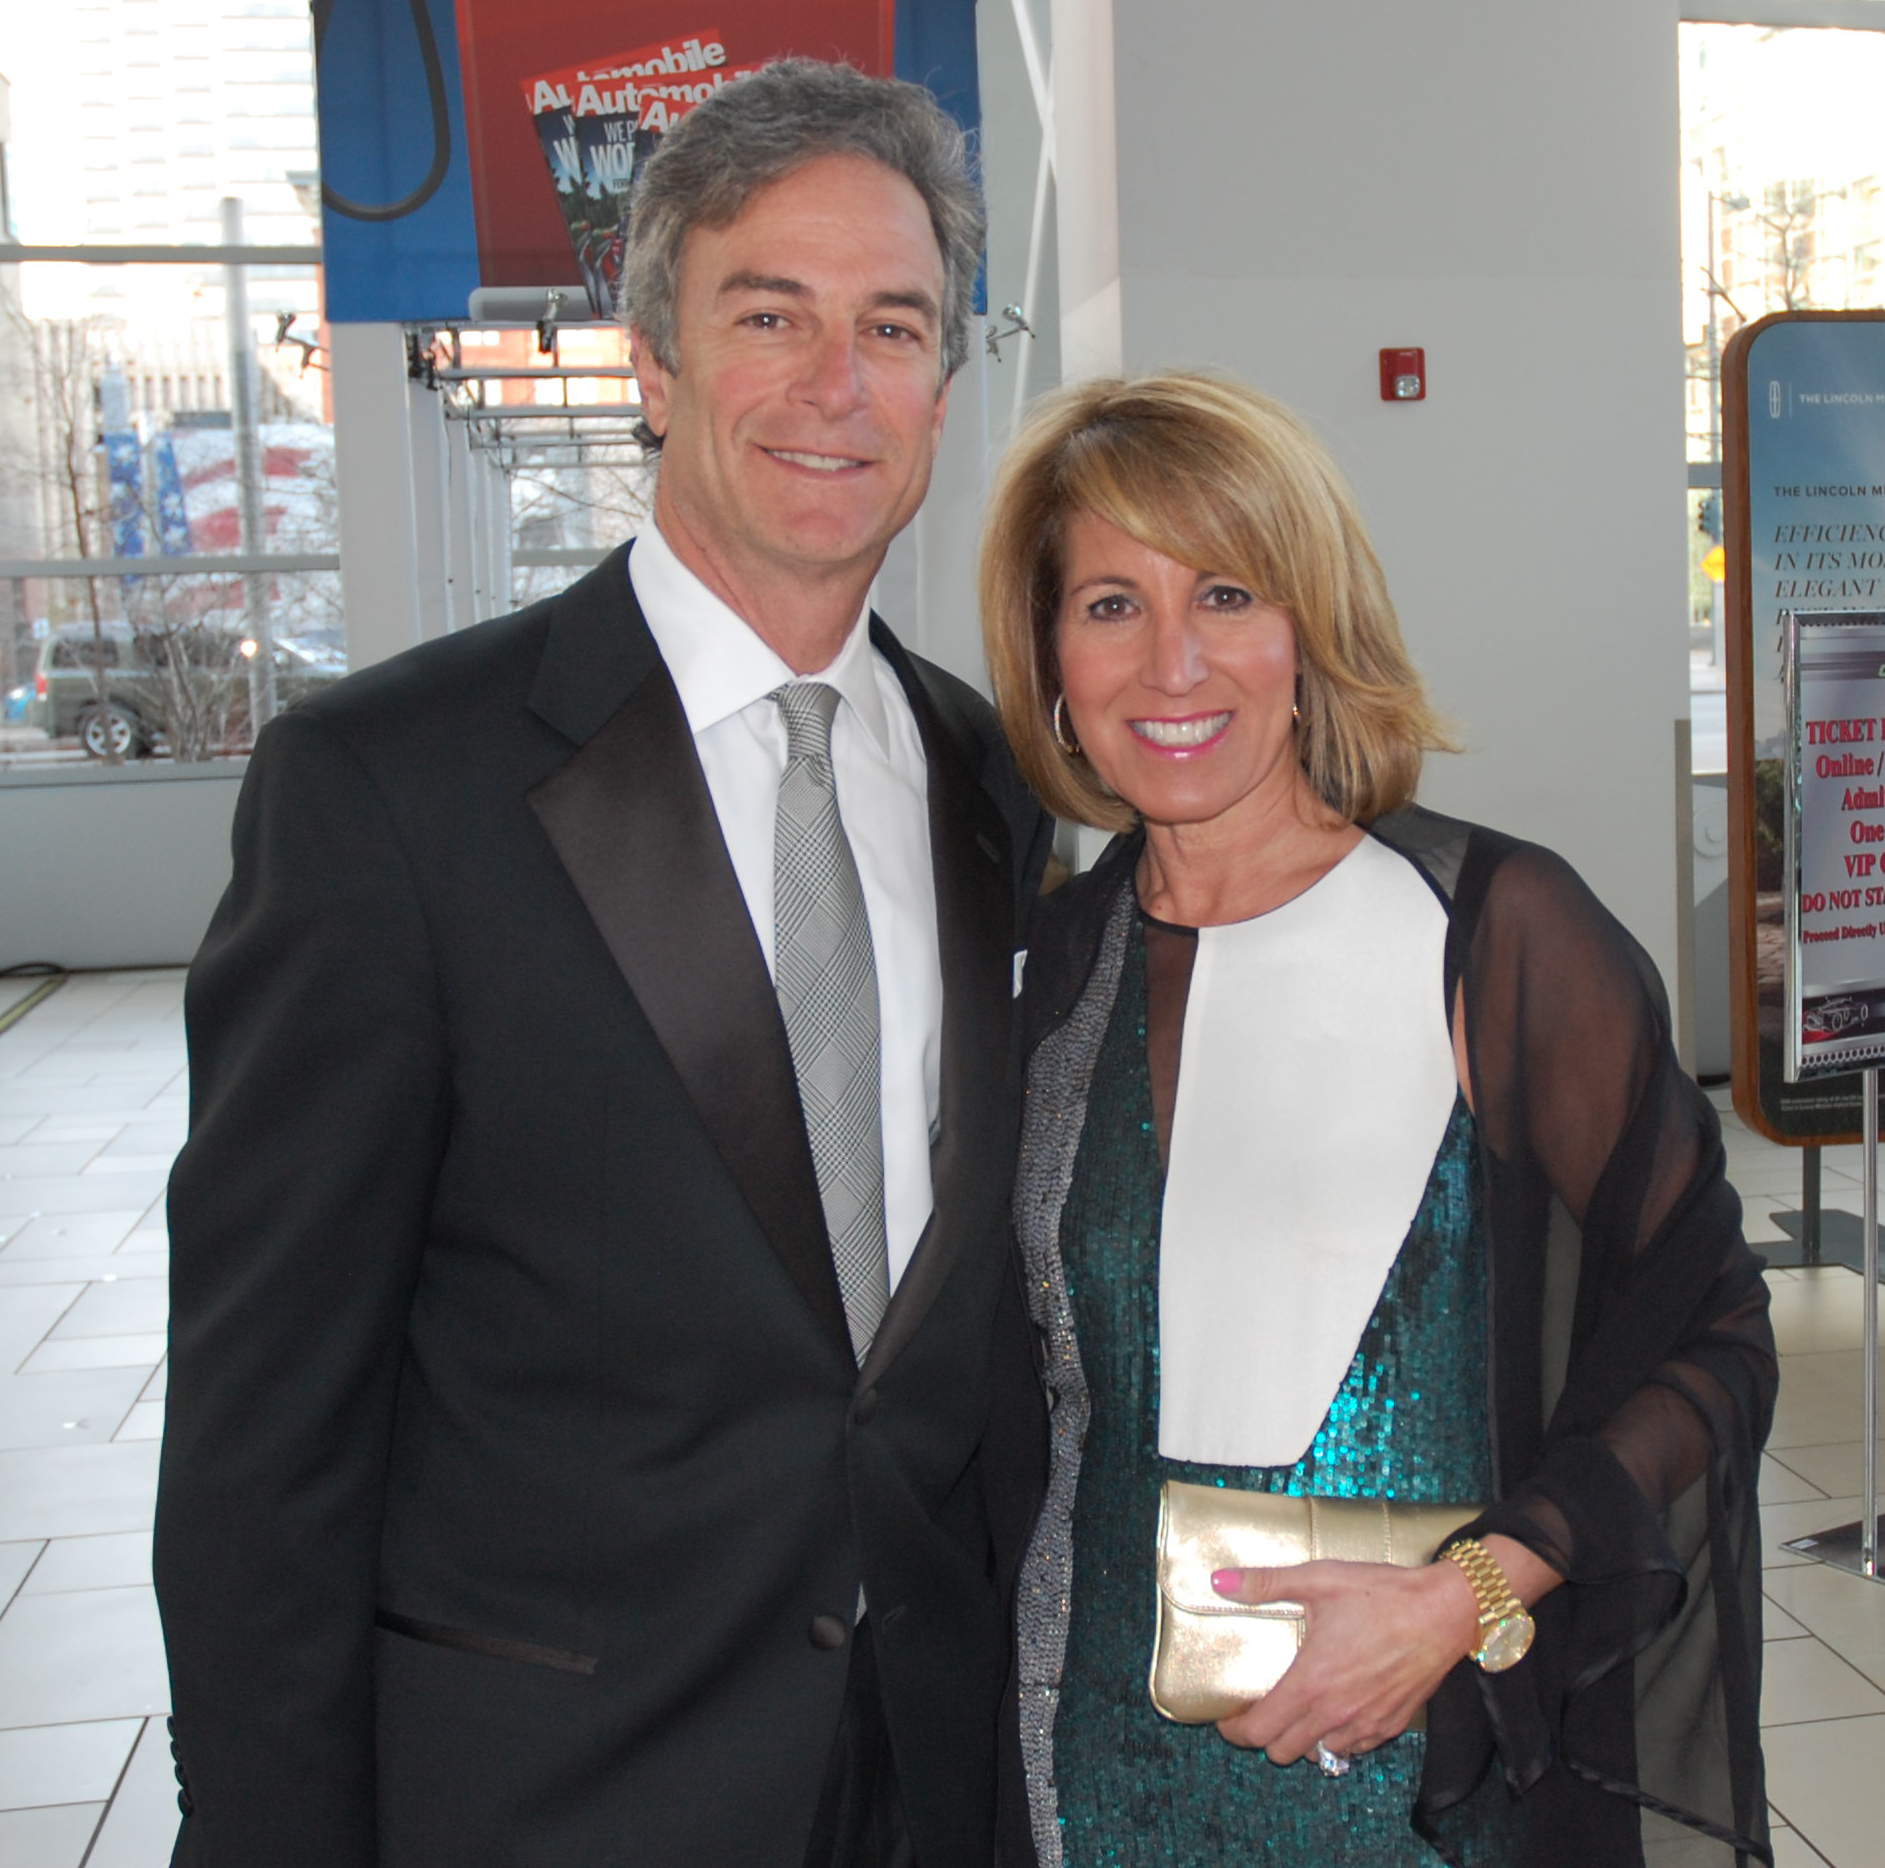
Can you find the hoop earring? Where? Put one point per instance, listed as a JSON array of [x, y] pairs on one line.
[[1295, 714], [1062, 738]]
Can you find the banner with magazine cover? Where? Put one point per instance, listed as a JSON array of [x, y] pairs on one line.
[[1803, 486], [495, 143]]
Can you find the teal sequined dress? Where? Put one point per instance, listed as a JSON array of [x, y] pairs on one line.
[[1408, 1422]]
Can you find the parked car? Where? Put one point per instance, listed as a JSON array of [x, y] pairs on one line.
[[150, 676]]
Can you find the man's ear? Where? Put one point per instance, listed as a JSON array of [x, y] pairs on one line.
[[652, 380], [942, 409]]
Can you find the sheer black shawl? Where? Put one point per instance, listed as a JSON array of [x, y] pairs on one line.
[[1632, 1367]]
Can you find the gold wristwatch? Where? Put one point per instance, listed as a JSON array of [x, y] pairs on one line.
[[1505, 1625]]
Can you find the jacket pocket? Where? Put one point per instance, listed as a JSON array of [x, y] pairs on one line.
[[495, 1647]]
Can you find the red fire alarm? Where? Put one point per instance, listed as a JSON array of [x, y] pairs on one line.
[[1403, 376]]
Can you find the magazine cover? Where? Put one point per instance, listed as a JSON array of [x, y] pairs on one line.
[[597, 123]]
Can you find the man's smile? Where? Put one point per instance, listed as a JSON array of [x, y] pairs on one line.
[[820, 463]]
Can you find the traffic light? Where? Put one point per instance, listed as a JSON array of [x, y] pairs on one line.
[[1708, 517]]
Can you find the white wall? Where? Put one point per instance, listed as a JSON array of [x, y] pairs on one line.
[[1300, 186]]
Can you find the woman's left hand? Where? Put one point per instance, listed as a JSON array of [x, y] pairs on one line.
[[1379, 1641]]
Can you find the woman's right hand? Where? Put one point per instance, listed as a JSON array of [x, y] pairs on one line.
[[1379, 1640]]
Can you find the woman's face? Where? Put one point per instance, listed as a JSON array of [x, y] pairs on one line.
[[1179, 683]]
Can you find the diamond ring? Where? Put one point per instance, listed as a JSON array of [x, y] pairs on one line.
[[1331, 1763]]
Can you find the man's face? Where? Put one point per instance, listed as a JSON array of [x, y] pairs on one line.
[[802, 421]]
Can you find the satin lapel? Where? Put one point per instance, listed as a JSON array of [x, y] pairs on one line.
[[633, 823], [970, 854]]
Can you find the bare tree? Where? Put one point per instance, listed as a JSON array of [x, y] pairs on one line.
[[68, 355]]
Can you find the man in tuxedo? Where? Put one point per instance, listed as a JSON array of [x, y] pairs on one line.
[[602, 1418]]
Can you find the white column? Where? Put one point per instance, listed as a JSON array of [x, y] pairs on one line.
[[388, 461]]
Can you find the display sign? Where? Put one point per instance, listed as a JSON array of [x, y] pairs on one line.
[[1803, 421], [495, 143], [1835, 839]]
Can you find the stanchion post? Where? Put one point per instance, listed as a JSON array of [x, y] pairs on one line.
[[1810, 1204]]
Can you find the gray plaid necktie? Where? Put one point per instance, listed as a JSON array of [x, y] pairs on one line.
[[826, 979]]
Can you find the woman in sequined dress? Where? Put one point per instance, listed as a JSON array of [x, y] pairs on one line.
[[1357, 1164]]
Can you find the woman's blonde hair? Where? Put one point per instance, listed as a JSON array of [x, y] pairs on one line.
[[1222, 479]]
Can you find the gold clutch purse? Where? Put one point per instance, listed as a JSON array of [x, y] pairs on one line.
[[1210, 1657]]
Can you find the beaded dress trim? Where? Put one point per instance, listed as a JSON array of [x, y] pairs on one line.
[[1060, 1076]]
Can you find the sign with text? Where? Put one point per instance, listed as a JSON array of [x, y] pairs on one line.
[[1803, 497], [1835, 837]]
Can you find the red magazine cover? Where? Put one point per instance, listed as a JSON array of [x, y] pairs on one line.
[[598, 124], [527, 149]]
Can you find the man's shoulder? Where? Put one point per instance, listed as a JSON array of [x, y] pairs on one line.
[[451, 671], [466, 681]]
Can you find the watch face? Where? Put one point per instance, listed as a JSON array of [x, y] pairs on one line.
[[1507, 1643]]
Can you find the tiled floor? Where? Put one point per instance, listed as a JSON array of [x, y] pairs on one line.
[[91, 1110]]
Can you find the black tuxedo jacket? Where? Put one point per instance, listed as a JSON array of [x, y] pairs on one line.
[[519, 1481]]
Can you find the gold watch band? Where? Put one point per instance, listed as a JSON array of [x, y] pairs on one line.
[[1505, 1624]]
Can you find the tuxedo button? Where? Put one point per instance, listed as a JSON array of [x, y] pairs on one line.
[[864, 1408], [827, 1632]]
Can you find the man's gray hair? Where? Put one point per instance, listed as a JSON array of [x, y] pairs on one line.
[[758, 130]]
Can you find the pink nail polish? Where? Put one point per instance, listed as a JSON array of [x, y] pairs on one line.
[[1227, 1582]]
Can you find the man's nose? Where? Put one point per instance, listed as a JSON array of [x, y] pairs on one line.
[[833, 381]]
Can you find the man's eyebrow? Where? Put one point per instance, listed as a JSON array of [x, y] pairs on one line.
[[919, 302], [764, 282]]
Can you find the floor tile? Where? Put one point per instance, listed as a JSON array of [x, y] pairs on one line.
[[113, 1560], [1800, 1681], [14, 1130], [79, 1128], [159, 1384], [1818, 1311], [70, 1235], [42, 1764], [82, 1270], [161, 1139], [141, 1827], [81, 1193], [1847, 1612], [75, 1491], [1820, 1399], [71, 1408], [1758, 1230], [48, 1838], [94, 1654], [1781, 1485], [1778, 1625], [33, 1160], [1792, 1850], [1825, 1777], [26, 1314], [1781, 1524], [146, 1165], [96, 1352], [123, 1307], [16, 1564], [144, 1422], [72, 1099], [1838, 1470]]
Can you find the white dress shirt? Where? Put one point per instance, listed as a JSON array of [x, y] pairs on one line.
[[724, 674]]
